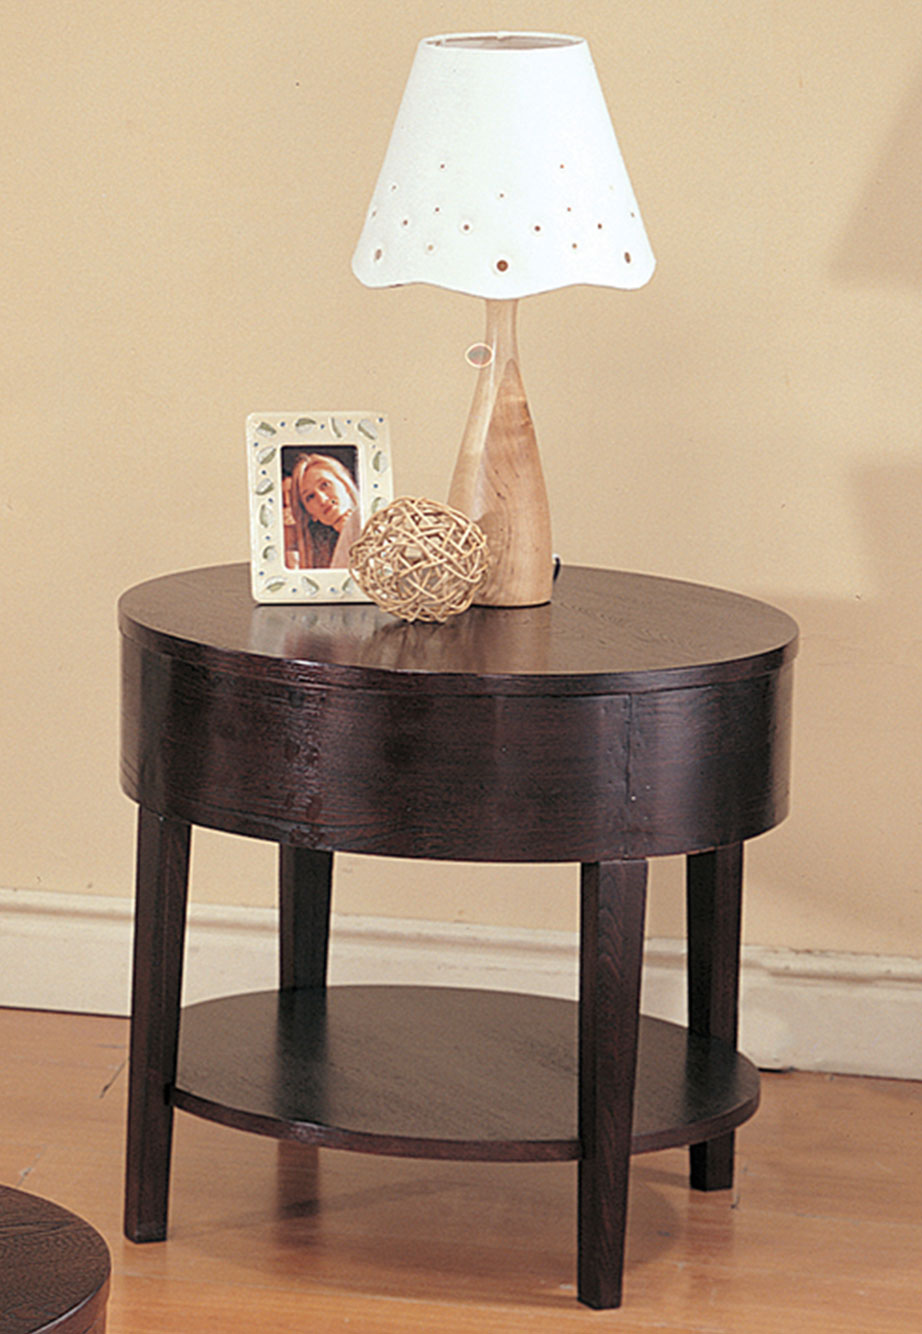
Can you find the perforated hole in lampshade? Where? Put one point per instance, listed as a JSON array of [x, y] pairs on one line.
[[503, 176]]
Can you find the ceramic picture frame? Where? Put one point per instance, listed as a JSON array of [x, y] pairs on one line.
[[315, 478]]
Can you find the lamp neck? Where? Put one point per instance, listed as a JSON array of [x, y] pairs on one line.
[[500, 335], [498, 481]]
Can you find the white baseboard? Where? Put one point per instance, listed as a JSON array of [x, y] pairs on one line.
[[842, 1013]]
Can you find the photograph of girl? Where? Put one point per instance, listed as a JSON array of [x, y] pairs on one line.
[[322, 513]]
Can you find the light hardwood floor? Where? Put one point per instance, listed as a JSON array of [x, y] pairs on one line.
[[823, 1231]]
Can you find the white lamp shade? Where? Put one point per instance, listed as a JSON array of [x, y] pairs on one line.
[[503, 176]]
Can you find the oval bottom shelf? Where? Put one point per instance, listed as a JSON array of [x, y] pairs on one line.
[[439, 1072]]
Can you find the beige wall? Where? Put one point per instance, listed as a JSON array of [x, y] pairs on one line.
[[182, 186]]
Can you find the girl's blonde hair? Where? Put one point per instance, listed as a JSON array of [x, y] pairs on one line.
[[316, 541]]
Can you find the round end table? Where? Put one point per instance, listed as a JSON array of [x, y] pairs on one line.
[[631, 717], [54, 1273]]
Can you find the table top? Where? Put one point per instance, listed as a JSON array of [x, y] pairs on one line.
[[630, 716], [54, 1268], [603, 631]]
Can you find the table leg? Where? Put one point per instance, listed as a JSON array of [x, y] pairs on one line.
[[159, 939], [714, 886], [613, 901], [305, 887]]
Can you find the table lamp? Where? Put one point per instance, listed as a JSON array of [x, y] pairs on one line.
[[503, 178]]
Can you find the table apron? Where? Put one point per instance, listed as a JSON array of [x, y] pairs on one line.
[[472, 777]]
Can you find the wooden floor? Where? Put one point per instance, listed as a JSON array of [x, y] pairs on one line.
[[823, 1232]]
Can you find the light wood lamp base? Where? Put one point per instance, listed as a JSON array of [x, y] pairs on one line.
[[498, 480]]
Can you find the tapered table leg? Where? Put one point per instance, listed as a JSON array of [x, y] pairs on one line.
[[305, 886], [613, 900], [714, 886], [305, 893], [159, 938]]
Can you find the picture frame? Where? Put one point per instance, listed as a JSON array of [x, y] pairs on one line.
[[315, 478]]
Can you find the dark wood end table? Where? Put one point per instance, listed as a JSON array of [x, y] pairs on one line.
[[54, 1269], [631, 717]]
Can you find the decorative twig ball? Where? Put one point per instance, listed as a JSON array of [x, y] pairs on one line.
[[420, 560]]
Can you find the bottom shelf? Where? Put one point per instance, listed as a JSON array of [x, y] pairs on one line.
[[439, 1072]]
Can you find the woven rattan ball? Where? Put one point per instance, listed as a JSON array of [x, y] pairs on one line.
[[420, 560]]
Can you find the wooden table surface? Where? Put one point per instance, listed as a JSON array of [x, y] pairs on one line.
[[54, 1268], [631, 716]]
